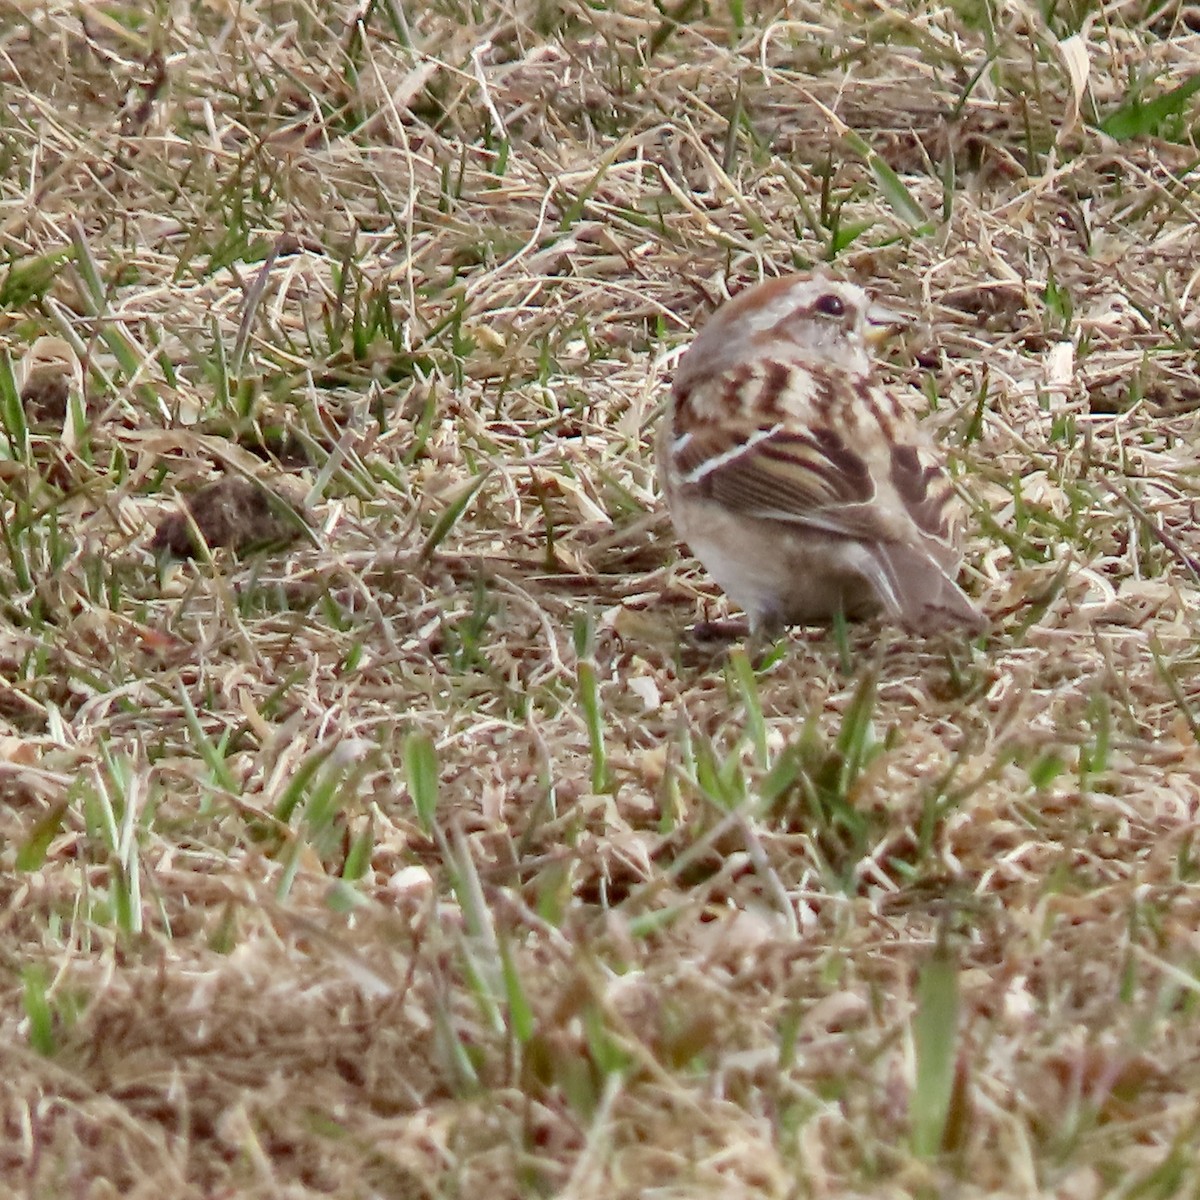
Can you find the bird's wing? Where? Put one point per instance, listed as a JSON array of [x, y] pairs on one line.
[[814, 476], [896, 503]]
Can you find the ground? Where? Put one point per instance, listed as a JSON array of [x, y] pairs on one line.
[[401, 842]]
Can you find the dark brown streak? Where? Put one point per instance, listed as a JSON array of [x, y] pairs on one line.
[[837, 475], [826, 397], [843, 487], [742, 488], [693, 455], [878, 402], [848, 465], [912, 482], [733, 387], [775, 382]]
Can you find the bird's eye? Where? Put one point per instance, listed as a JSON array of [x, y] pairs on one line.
[[831, 305]]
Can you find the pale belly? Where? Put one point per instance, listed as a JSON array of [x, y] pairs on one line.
[[777, 575]]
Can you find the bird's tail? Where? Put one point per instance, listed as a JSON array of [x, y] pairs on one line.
[[920, 593]]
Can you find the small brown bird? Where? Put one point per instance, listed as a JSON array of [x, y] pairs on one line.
[[797, 478]]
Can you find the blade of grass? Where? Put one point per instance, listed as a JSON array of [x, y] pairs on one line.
[[213, 758], [32, 853], [935, 1040], [902, 202], [449, 516], [421, 772], [1136, 118], [747, 687], [38, 1010]]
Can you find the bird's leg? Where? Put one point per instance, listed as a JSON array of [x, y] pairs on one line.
[[763, 642], [705, 632]]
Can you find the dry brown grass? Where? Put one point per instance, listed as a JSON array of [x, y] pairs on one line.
[[667, 928]]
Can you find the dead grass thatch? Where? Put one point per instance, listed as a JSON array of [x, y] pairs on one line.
[[424, 857]]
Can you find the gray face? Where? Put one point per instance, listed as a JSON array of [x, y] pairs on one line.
[[827, 316], [792, 318]]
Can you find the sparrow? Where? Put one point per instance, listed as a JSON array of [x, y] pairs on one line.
[[798, 478]]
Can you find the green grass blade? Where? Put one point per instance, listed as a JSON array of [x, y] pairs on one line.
[[32, 853], [902, 202], [520, 1013], [449, 516], [421, 771], [593, 719], [211, 753], [856, 740], [38, 1009], [747, 689], [1136, 118], [935, 1039]]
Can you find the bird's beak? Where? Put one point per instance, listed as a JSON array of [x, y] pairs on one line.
[[882, 322]]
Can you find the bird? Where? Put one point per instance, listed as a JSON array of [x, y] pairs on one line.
[[798, 478]]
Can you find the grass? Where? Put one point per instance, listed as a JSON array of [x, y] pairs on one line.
[[425, 857]]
